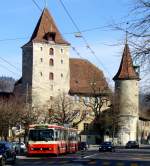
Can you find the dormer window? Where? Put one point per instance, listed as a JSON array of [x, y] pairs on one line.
[[51, 51], [50, 36]]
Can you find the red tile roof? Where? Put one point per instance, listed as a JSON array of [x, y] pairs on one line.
[[126, 70], [86, 79], [45, 26]]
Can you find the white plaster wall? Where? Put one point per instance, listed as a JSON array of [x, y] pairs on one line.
[[41, 85], [127, 100]]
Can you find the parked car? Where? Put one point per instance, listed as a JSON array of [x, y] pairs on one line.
[[19, 147], [7, 153], [82, 146], [16, 146], [106, 147], [22, 147], [132, 144]]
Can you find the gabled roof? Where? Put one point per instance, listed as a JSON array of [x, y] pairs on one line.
[[44, 26], [86, 79], [126, 70]]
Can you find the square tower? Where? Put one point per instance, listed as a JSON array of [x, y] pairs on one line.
[[45, 67]]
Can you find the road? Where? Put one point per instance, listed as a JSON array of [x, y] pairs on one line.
[[121, 157]]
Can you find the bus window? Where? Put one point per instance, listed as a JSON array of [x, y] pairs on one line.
[[41, 135], [57, 135], [61, 134]]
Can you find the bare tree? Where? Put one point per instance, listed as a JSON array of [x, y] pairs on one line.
[[64, 111], [98, 103], [139, 31], [10, 113], [14, 112], [6, 84]]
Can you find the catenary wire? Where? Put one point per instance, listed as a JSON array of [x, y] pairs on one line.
[[6, 61], [84, 39]]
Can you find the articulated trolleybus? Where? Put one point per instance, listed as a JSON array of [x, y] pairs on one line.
[[51, 139]]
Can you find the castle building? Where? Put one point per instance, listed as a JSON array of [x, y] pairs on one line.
[[127, 98], [45, 66], [48, 70]]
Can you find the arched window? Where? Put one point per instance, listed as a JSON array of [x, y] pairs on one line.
[[51, 51], [61, 50], [51, 62], [51, 76]]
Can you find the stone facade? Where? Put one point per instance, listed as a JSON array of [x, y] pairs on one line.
[[38, 65]]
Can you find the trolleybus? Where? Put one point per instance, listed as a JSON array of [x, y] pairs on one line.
[[51, 139]]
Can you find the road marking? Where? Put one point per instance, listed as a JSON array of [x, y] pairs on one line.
[[91, 155]]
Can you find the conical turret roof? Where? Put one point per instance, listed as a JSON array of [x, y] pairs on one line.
[[126, 70], [47, 26]]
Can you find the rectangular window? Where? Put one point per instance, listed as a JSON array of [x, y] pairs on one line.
[[41, 74]]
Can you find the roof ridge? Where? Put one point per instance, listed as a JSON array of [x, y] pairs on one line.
[[46, 29]]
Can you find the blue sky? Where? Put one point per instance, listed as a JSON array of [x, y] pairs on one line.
[[19, 18]]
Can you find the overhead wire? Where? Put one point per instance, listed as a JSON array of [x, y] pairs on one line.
[[84, 39], [36, 4], [73, 48], [6, 61], [47, 86], [2, 66], [10, 39]]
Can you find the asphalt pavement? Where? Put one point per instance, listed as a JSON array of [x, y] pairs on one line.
[[121, 157]]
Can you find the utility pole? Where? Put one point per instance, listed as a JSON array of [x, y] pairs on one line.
[[27, 93]]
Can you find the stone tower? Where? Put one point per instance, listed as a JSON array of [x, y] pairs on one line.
[[45, 66], [126, 98]]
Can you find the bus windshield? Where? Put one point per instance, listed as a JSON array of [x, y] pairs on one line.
[[41, 135]]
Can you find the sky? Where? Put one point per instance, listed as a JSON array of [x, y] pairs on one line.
[[94, 17]]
